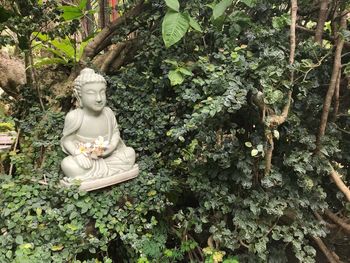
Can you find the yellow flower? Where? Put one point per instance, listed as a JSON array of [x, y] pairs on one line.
[[207, 251], [218, 256], [82, 149]]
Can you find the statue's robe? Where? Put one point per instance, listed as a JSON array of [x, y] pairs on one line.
[[122, 159]]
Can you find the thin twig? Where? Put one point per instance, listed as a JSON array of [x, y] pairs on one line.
[[342, 130], [243, 244], [319, 63]]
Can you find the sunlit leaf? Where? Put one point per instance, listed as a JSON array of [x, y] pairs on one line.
[[49, 61], [71, 12], [64, 46], [152, 193], [248, 144], [82, 4], [174, 27], [173, 4], [175, 77], [220, 8], [27, 246], [57, 247], [254, 152], [249, 3], [194, 24], [185, 71]]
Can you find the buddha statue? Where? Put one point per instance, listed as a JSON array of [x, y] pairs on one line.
[[97, 156]]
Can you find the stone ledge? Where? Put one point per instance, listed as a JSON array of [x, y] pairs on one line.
[[91, 185]]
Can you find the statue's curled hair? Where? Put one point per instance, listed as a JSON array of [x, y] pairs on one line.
[[87, 75]]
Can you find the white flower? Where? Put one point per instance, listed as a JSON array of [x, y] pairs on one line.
[[101, 143], [87, 145]]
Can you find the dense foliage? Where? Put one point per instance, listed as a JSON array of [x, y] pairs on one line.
[[189, 112]]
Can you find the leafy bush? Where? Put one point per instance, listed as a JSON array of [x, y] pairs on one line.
[[188, 111]]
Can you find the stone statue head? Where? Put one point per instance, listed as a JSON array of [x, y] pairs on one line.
[[90, 90]]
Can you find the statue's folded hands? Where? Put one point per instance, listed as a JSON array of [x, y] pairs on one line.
[[83, 161]]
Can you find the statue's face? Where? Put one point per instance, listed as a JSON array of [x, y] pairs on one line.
[[93, 96]]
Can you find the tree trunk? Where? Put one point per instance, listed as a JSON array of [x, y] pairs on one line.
[[332, 84], [322, 17], [103, 15]]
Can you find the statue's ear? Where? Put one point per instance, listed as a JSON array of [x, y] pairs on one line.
[[77, 95]]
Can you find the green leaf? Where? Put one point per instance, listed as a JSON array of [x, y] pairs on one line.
[[171, 62], [249, 3], [57, 247], [194, 24], [220, 8], [185, 71], [174, 27], [19, 240], [27, 246], [175, 77], [82, 47], [254, 152], [151, 193], [42, 37], [64, 46], [248, 144], [260, 148], [82, 4], [173, 4], [39, 211], [231, 260], [71, 12], [49, 61]]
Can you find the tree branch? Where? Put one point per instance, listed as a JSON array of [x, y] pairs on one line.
[[268, 153], [319, 218], [332, 84], [93, 48], [339, 221], [336, 96], [276, 120], [322, 17], [329, 254], [125, 54], [116, 50], [328, 37], [339, 182]]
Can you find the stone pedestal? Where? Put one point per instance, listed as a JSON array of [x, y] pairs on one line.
[[94, 184]]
